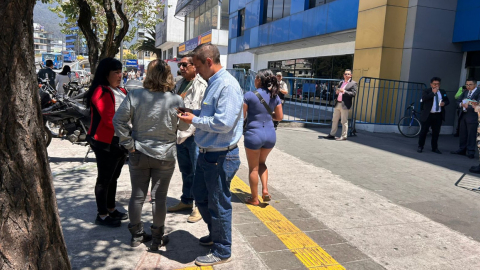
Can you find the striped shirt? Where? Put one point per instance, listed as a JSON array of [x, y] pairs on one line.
[[219, 122]]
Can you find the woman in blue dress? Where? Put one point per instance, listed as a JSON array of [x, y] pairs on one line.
[[260, 134]]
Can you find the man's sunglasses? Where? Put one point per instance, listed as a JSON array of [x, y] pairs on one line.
[[347, 74], [183, 65]]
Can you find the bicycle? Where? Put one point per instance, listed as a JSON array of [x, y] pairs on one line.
[[409, 125]]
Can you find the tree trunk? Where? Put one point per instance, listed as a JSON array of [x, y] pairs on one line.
[[30, 231]]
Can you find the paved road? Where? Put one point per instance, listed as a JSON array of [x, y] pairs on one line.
[[368, 203]]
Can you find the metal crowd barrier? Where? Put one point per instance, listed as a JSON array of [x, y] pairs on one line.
[[383, 102], [309, 100]]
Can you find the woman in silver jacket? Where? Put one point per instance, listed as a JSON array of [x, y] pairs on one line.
[[150, 139]]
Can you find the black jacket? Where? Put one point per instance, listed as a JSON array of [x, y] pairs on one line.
[[349, 94], [470, 114], [427, 102], [51, 76]]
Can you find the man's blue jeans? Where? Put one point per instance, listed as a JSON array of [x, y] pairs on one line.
[[211, 189], [187, 154]]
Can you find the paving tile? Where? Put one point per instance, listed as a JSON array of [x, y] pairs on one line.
[[326, 237], [295, 213], [344, 253], [266, 243], [244, 218], [281, 260], [283, 204], [309, 224], [363, 265], [257, 229], [276, 195]]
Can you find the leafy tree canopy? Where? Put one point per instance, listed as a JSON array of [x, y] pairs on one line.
[[104, 23]]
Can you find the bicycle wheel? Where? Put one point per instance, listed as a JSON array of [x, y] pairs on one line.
[[409, 127]]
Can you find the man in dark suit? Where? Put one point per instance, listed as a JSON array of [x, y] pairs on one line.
[[346, 91], [468, 120], [434, 101]]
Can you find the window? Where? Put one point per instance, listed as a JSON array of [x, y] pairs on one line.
[[241, 22], [275, 9], [170, 53], [316, 3], [204, 18], [327, 67], [224, 14], [214, 14]]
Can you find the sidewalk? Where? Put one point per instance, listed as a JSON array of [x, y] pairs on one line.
[[326, 212]]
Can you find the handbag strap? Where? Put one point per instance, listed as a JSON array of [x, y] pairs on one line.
[[263, 102]]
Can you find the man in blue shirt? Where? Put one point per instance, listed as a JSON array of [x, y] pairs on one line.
[[219, 126]]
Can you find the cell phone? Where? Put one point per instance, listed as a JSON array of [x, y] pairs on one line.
[[180, 110]]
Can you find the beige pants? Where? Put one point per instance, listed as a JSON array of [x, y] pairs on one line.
[[340, 113]]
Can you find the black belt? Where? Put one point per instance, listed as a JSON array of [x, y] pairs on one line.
[[205, 150]]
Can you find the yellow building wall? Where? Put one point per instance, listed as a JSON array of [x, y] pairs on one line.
[[378, 54]]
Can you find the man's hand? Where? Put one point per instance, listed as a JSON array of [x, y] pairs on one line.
[[442, 104], [341, 90], [186, 117], [465, 105], [435, 90], [183, 110], [132, 150]]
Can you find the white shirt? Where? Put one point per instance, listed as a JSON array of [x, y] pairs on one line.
[[119, 97], [59, 81], [439, 95]]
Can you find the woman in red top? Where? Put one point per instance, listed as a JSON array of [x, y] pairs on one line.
[[104, 97]]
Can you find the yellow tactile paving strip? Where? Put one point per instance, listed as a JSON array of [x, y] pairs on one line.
[[304, 248]]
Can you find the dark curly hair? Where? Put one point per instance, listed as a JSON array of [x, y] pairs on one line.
[[269, 82]]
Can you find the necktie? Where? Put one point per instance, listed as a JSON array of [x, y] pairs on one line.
[[436, 102], [469, 94]]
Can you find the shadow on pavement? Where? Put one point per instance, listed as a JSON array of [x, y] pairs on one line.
[[407, 147], [183, 247]]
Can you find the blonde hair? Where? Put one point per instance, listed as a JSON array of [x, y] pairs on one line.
[[159, 77]]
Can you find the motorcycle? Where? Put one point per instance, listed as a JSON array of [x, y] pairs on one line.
[[72, 118]]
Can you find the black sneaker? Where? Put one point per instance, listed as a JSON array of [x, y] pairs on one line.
[[108, 221], [205, 241], [117, 215]]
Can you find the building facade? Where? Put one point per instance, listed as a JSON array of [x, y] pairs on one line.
[[401, 40], [205, 21], [170, 32], [75, 43], [42, 39]]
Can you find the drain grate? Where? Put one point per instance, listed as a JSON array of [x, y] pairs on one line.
[[470, 182]]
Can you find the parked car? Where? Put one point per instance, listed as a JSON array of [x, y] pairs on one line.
[[84, 78]]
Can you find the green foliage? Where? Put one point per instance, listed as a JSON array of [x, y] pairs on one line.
[[137, 13], [148, 44], [130, 56]]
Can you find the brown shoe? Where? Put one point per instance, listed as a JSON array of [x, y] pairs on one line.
[[194, 216], [180, 206], [341, 139]]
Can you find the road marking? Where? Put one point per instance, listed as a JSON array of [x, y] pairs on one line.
[[302, 246]]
